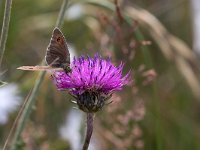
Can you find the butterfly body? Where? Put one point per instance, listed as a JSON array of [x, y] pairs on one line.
[[57, 55], [66, 68]]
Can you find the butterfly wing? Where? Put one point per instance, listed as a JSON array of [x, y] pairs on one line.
[[57, 54]]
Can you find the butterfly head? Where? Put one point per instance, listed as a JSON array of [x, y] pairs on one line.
[[66, 68]]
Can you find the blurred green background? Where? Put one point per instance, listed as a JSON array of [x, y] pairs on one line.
[[160, 111]]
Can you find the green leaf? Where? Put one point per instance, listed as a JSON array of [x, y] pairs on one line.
[[2, 83]]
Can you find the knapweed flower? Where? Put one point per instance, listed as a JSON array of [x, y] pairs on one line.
[[91, 81]]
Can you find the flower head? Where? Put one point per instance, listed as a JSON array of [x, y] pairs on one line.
[[91, 81]]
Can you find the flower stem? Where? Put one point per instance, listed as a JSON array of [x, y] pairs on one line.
[[5, 27], [90, 118]]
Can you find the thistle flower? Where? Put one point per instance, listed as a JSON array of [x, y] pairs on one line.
[[91, 81]]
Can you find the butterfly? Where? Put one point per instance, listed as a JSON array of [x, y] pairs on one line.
[[57, 55]]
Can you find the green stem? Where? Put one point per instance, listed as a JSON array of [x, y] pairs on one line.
[[27, 110], [154, 90], [61, 15], [155, 106], [90, 118], [31, 101], [5, 27]]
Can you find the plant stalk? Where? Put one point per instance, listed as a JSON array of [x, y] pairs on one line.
[[90, 118], [61, 15], [27, 110], [31, 101], [5, 27]]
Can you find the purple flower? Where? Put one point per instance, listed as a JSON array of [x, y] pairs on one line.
[[91, 81]]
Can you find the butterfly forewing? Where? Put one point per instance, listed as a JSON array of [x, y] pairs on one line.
[[57, 50]]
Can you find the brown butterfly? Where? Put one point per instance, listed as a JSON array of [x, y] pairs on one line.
[[57, 55]]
